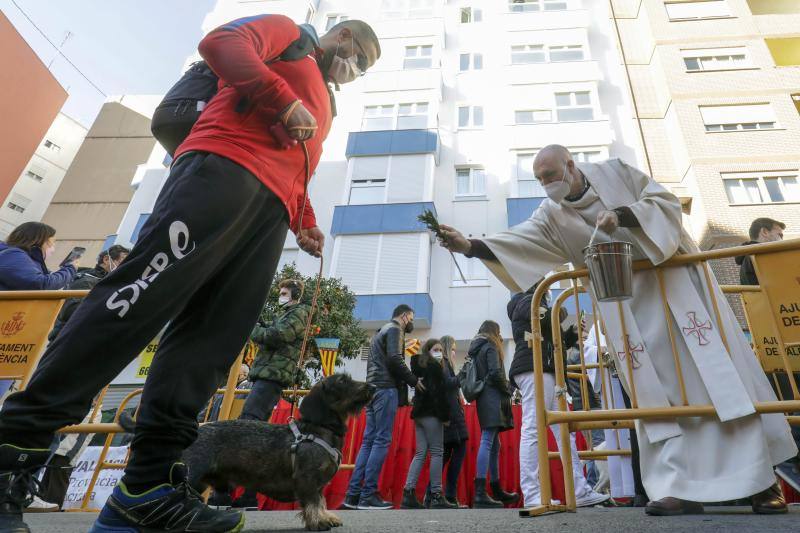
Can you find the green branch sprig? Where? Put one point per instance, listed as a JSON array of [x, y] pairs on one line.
[[429, 219]]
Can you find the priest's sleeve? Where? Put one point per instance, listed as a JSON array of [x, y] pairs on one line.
[[524, 254], [658, 212]]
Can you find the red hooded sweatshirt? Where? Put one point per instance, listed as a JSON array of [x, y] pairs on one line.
[[237, 52]]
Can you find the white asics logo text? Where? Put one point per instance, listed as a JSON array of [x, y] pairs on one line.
[[180, 247]]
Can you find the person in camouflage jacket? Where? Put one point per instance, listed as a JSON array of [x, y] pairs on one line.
[[278, 352]]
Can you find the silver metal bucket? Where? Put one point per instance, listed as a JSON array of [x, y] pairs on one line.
[[610, 267]]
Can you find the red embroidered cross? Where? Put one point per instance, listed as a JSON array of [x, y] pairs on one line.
[[696, 328], [635, 349]]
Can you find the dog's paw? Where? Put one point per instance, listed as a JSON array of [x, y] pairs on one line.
[[322, 525], [333, 520]]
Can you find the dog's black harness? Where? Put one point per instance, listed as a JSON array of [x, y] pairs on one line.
[[300, 438]]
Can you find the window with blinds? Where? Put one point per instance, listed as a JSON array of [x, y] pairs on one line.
[[738, 117], [402, 177], [381, 264]]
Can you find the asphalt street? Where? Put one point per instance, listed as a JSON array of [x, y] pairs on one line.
[[595, 520]]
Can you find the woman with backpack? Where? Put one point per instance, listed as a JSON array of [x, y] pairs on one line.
[[430, 412], [494, 414], [22, 260]]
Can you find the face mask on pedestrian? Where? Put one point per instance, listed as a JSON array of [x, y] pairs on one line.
[[437, 354], [558, 190], [409, 326], [48, 251], [284, 300], [344, 70]]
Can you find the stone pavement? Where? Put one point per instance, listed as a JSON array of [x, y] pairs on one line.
[[615, 520]]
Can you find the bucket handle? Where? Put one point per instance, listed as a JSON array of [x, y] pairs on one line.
[[594, 233]]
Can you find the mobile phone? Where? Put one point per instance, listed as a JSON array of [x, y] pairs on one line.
[[76, 253]]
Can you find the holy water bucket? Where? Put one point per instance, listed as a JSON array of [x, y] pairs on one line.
[[610, 267]]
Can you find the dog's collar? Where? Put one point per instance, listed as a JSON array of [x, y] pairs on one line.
[[307, 437]]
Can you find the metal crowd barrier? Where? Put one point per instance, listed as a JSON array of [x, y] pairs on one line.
[[621, 417], [27, 317]]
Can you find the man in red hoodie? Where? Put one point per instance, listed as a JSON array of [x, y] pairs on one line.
[[203, 265]]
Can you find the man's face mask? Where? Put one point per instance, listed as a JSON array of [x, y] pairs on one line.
[[344, 70], [558, 190], [284, 299], [410, 326]]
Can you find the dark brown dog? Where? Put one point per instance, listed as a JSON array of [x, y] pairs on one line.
[[257, 455]]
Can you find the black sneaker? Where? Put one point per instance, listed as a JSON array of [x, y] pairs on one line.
[[374, 502], [18, 484], [350, 502], [174, 507]]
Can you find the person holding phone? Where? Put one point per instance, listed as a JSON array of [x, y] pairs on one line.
[[23, 256], [86, 279]]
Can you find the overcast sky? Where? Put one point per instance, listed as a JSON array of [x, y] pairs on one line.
[[122, 46]]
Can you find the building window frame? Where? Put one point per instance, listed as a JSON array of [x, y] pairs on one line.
[[768, 185], [475, 179], [34, 176], [521, 116], [474, 61], [51, 145], [714, 59], [471, 15], [422, 54], [332, 19], [537, 6], [770, 121], [470, 117], [15, 207], [394, 113], [475, 272], [578, 101], [728, 14], [367, 183]]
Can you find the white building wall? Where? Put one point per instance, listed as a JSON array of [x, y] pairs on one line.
[[500, 88], [42, 175]]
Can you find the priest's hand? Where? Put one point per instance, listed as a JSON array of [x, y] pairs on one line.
[[608, 222], [453, 240]]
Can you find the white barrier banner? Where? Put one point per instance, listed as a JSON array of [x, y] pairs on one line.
[[82, 476]]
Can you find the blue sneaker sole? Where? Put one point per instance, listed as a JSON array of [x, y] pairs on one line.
[[99, 527]]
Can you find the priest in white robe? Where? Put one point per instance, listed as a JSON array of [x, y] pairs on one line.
[[684, 461]]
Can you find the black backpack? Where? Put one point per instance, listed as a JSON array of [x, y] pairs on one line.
[[184, 102]]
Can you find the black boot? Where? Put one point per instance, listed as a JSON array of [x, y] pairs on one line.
[[452, 499], [410, 500], [482, 499], [501, 495], [439, 502], [17, 484]]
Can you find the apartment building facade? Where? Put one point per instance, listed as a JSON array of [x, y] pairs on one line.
[[31, 194], [717, 90], [449, 119]]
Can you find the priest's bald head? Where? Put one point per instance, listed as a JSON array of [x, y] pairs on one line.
[[554, 165]]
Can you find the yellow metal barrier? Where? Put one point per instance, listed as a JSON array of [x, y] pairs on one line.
[[786, 332]]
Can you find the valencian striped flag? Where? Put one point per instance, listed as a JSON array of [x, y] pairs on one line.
[[412, 347], [328, 349]]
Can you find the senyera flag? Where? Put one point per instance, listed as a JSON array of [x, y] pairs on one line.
[[328, 349]]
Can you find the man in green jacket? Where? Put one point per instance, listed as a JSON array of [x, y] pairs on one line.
[[278, 352]]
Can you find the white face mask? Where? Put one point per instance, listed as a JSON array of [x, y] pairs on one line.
[[558, 190], [344, 70], [283, 300], [437, 355]]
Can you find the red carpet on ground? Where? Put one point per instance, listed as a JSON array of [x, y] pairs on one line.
[[401, 453]]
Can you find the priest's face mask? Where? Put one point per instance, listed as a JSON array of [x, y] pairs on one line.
[[558, 190]]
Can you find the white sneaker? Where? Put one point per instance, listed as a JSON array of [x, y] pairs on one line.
[[537, 503], [591, 498], [38, 505]]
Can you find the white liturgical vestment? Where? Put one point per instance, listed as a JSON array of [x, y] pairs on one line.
[[702, 459]]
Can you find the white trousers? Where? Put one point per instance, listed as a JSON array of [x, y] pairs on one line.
[[529, 438]]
